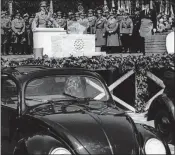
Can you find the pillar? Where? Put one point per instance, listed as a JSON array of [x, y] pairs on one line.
[[113, 4], [105, 6], [10, 4], [151, 4], [51, 7], [119, 4]]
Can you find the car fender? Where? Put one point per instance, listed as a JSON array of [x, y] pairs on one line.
[[161, 102], [37, 144], [147, 132]]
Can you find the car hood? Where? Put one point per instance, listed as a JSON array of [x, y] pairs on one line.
[[90, 133]]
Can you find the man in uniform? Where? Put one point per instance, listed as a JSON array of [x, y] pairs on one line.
[[18, 34], [92, 20], [84, 21], [64, 16], [126, 29], [60, 21], [112, 33], [77, 16], [107, 14], [69, 20], [148, 21], [5, 33], [148, 24], [28, 34], [43, 17], [136, 39], [100, 31]]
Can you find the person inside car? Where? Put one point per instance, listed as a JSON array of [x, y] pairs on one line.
[[75, 86]]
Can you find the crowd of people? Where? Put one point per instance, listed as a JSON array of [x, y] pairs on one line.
[[115, 30]]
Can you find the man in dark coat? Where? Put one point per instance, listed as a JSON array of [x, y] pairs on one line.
[[92, 20], [148, 23], [126, 30], [100, 30], [112, 31], [60, 21], [28, 34], [136, 39], [18, 34]]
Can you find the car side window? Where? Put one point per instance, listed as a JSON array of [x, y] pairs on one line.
[[9, 93]]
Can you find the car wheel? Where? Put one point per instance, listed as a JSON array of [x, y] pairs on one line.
[[163, 124]]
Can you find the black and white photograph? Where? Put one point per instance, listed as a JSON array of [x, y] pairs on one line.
[[92, 77]]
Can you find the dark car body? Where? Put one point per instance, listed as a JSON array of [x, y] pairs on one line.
[[81, 132], [162, 109]]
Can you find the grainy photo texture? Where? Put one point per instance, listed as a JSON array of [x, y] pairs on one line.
[[87, 77]]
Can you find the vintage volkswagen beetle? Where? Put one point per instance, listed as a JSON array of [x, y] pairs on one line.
[[67, 111]]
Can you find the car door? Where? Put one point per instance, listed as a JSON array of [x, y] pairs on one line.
[[9, 104]]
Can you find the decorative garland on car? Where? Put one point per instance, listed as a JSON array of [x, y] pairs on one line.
[[140, 64]]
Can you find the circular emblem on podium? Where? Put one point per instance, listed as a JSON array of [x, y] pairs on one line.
[[78, 44]]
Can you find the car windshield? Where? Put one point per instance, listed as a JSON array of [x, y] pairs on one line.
[[67, 87]]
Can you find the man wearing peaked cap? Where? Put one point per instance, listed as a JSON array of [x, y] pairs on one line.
[[70, 13], [126, 30], [59, 13], [100, 30], [43, 4], [69, 20], [107, 14], [92, 21], [43, 18], [3, 13], [112, 33], [77, 16], [25, 15], [84, 21], [90, 10], [70, 16], [18, 34], [60, 21]]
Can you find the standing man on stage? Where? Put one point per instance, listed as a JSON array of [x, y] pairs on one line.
[[148, 24], [28, 34], [77, 16], [5, 33], [112, 32], [126, 30], [136, 39], [43, 17], [69, 20], [107, 14], [18, 39], [92, 20], [100, 31], [84, 21], [60, 21], [148, 21]]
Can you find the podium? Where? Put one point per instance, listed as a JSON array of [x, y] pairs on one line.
[[57, 43], [42, 38]]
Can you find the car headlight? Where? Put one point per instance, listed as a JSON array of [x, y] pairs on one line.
[[61, 151], [154, 146]]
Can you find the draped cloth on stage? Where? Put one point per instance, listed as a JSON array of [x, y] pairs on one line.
[[146, 27], [76, 28]]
